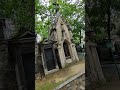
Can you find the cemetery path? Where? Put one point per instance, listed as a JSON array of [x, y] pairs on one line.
[[69, 72], [62, 74]]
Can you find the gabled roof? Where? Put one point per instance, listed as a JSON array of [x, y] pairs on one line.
[[25, 36], [57, 16]]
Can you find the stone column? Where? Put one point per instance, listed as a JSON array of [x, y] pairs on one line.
[[75, 52], [61, 55]]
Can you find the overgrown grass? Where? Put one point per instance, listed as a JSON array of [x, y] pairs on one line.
[[47, 86], [52, 85]]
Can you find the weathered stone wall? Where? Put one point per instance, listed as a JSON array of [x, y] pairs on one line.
[[39, 70], [75, 83], [36, 58], [9, 30], [7, 71], [3, 63], [63, 34], [81, 55], [3, 58]]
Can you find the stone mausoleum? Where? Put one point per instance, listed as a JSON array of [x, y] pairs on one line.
[[58, 50], [17, 57]]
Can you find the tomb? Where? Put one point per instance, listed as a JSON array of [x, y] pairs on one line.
[[48, 58], [58, 50], [17, 58], [23, 50]]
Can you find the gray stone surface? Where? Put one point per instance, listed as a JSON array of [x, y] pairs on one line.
[[3, 59], [77, 82], [81, 55]]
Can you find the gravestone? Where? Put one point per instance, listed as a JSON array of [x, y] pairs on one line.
[[105, 54], [93, 67]]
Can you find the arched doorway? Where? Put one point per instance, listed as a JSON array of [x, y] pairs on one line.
[[66, 49]]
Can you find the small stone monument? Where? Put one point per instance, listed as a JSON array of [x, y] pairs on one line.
[[93, 67]]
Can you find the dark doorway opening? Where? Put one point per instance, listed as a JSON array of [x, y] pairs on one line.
[[66, 49], [58, 59], [28, 60], [12, 74], [50, 60]]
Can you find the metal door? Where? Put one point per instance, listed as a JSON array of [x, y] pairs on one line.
[[50, 59]]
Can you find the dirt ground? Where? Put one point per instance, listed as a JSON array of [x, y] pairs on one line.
[[63, 74]]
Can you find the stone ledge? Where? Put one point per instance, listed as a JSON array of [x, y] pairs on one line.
[[70, 80]]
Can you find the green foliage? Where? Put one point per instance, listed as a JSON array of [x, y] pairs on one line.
[[72, 13], [47, 86], [21, 12], [99, 12]]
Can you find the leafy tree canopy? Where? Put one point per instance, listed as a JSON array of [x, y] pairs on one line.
[[21, 12], [72, 12], [101, 16]]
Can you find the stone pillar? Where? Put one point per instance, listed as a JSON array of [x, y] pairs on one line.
[[75, 53], [61, 55]]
